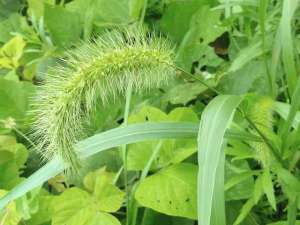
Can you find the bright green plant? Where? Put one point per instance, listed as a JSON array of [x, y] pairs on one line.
[[235, 61]]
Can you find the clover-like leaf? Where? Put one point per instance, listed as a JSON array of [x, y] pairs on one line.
[[100, 183], [77, 207]]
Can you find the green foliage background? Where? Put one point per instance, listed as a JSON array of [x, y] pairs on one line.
[[248, 48]]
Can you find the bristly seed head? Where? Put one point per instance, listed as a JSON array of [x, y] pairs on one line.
[[101, 69]]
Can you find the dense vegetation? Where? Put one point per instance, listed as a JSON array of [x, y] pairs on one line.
[[149, 112]]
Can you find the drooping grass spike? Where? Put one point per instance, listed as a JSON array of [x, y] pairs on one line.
[[99, 70]]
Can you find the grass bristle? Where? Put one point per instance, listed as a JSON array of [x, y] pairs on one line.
[[101, 69]]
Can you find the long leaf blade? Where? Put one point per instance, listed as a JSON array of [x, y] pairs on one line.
[[110, 139], [215, 119]]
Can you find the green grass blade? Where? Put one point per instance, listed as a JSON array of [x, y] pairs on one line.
[[263, 8], [246, 55], [286, 40], [218, 206], [292, 211], [283, 110], [110, 139], [215, 119], [134, 133], [292, 112]]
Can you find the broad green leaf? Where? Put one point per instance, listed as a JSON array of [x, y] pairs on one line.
[[172, 151], [9, 215], [152, 217], [12, 151], [36, 7], [77, 207], [29, 204], [109, 196], [45, 210], [15, 23], [179, 13], [215, 119], [171, 191], [249, 78], [85, 10], [204, 28], [64, 32], [8, 7], [135, 8], [14, 98], [113, 12], [11, 53], [12, 158], [188, 92]]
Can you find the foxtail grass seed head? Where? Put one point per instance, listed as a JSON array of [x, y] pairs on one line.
[[261, 114], [101, 69]]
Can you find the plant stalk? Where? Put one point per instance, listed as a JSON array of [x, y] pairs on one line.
[[124, 147]]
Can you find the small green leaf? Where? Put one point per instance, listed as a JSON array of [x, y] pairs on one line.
[[180, 13], [239, 180], [188, 92], [244, 211], [36, 7], [248, 78], [66, 31], [268, 188], [205, 27], [289, 183], [112, 13], [77, 207], [14, 98], [171, 191], [9, 215], [172, 151], [109, 196], [45, 209], [12, 158], [258, 189], [11, 53]]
